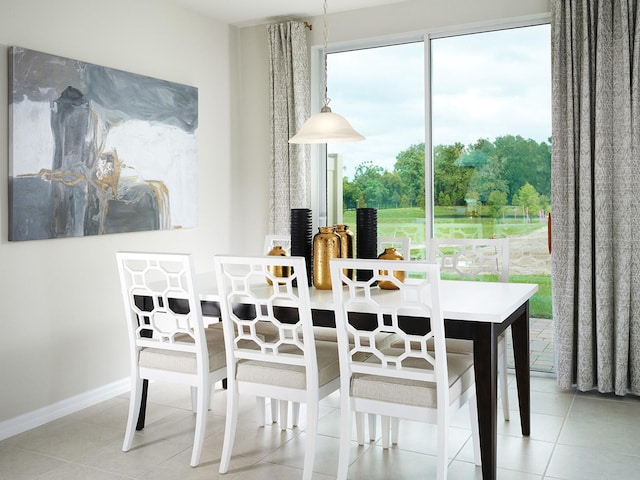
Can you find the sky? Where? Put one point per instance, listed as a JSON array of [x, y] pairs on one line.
[[484, 86]]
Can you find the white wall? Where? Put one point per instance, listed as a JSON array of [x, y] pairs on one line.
[[62, 332], [373, 23]]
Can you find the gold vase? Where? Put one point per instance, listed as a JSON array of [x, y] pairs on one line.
[[278, 270], [346, 246], [390, 254], [326, 245]]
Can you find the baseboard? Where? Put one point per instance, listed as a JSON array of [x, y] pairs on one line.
[[27, 421]]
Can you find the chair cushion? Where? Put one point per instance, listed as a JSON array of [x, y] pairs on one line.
[[292, 376], [265, 330], [185, 362], [454, 345], [268, 331], [412, 392], [329, 334]]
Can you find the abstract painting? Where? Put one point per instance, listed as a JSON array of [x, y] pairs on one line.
[[95, 150]]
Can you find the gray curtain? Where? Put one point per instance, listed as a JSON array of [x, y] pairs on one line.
[[289, 108], [595, 194]]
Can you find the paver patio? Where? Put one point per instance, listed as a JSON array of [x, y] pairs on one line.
[[541, 344]]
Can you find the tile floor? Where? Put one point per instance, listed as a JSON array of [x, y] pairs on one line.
[[574, 436]]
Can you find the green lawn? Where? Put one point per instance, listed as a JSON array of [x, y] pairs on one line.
[[540, 305]]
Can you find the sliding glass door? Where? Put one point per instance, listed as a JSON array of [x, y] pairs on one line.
[[470, 158]]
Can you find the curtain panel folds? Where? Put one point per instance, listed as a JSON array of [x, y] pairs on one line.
[[595, 194], [289, 108]]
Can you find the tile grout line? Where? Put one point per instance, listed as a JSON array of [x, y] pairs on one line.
[[555, 442]]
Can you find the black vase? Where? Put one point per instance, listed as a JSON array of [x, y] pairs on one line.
[[302, 237], [366, 237]]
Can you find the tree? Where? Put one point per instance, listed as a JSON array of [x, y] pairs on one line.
[[524, 161], [484, 171], [409, 167], [367, 181], [497, 201], [444, 199], [393, 185], [528, 198], [488, 178], [448, 178], [350, 193]]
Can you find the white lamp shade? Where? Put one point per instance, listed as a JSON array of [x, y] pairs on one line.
[[326, 127]]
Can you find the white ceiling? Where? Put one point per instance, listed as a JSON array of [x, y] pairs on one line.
[[253, 12]]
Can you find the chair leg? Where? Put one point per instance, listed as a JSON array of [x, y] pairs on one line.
[[359, 427], [310, 444], [503, 379], [345, 437], [384, 421], [283, 405], [372, 427], [395, 426], [230, 425], [260, 410], [443, 444], [295, 414], [135, 399], [203, 392], [274, 410]]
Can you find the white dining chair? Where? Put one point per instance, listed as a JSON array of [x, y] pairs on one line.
[[167, 338], [293, 367], [476, 259], [284, 241], [409, 381], [402, 247]]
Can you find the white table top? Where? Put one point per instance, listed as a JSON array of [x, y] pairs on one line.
[[460, 300]]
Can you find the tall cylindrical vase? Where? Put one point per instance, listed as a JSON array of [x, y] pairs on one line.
[[326, 245], [366, 237], [301, 237], [346, 245]]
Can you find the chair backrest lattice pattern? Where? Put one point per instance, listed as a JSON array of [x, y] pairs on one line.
[[401, 244], [471, 259], [271, 241], [161, 303], [390, 311], [248, 302]]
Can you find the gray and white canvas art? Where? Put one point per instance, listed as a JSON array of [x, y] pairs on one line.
[[95, 150]]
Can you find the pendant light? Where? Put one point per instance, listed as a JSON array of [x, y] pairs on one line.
[[326, 126]]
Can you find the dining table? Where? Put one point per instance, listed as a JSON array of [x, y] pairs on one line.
[[476, 311]]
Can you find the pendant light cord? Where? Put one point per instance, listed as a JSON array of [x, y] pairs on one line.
[[325, 33], [326, 126]]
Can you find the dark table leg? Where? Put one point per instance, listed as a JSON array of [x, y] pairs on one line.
[[520, 335], [485, 354], [143, 405]]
